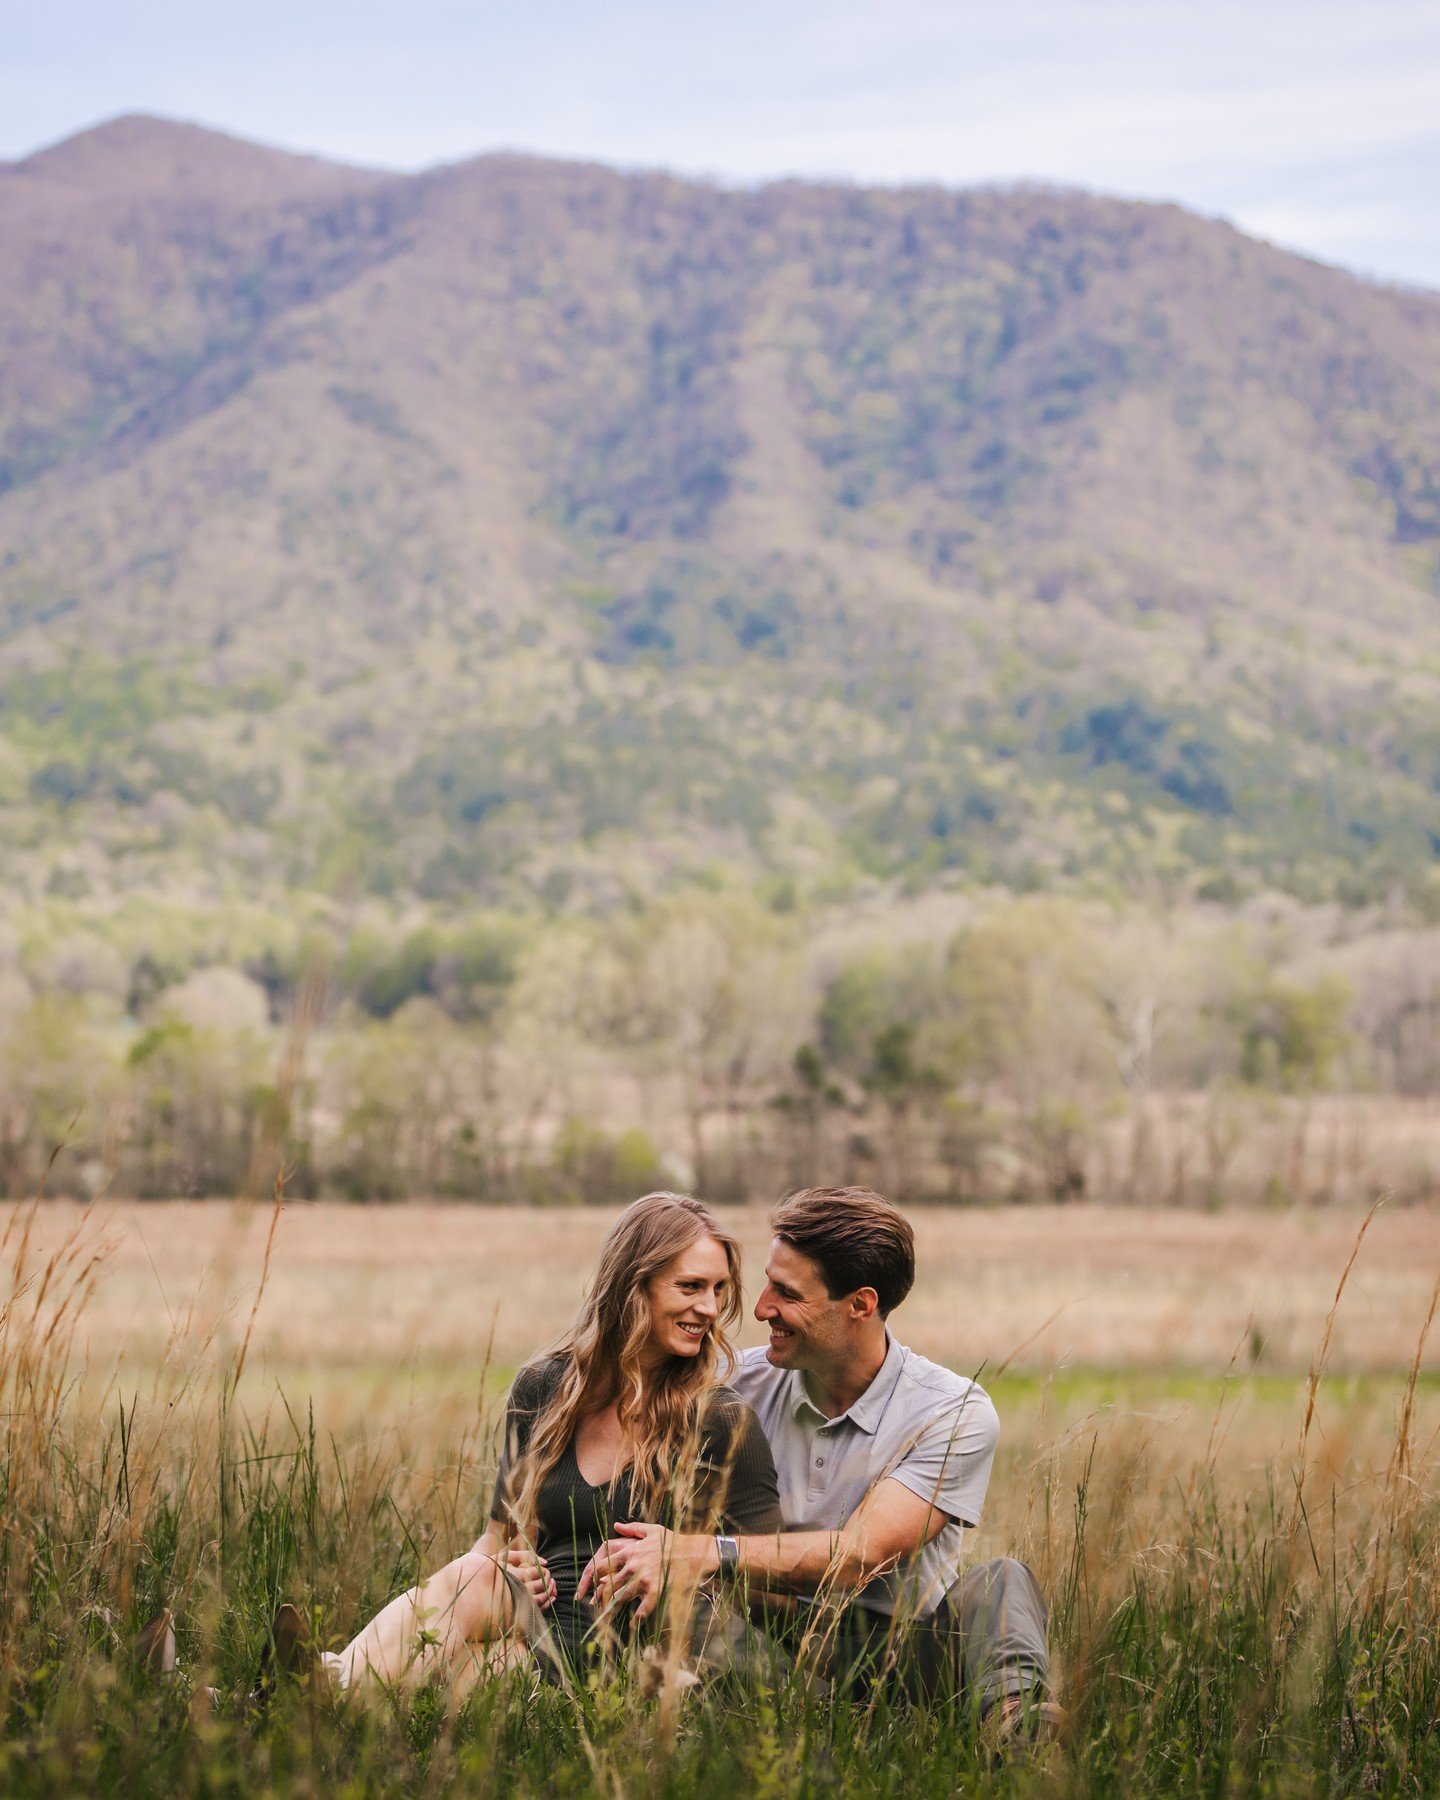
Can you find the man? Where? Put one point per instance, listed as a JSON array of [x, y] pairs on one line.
[[883, 1459]]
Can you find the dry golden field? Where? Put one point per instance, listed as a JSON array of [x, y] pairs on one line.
[[366, 1292], [1220, 1476], [1179, 1339]]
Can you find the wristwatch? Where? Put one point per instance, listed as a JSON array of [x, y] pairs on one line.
[[727, 1557]]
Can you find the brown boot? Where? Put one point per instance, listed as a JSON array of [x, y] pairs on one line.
[[290, 1634], [288, 1651], [1020, 1728]]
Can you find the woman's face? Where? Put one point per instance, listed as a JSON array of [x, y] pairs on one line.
[[685, 1299]]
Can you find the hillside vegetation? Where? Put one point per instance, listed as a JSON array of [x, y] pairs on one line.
[[523, 532]]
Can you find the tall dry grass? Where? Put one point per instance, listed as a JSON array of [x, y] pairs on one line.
[[1242, 1571]]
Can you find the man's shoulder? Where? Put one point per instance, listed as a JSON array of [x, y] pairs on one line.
[[752, 1365], [753, 1376], [930, 1385]]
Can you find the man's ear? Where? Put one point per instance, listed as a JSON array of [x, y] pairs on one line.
[[864, 1303]]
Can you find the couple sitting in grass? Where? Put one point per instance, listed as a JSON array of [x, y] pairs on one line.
[[813, 1507]]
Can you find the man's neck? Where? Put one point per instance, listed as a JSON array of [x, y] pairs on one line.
[[836, 1387]]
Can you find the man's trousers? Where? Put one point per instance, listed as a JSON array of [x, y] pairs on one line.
[[986, 1642]]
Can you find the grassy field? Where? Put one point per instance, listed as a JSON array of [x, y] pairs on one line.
[[1223, 1479]]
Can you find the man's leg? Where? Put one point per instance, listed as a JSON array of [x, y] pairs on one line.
[[1000, 1621], [987, 1643], [858, 1650]]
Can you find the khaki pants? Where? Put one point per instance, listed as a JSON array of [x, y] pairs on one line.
[[987, 1641]]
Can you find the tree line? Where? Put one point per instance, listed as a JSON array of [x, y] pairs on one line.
[[1025, 1048]]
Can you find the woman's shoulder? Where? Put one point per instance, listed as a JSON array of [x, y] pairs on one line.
[[734, 1446], [536, 1383], [725, 1411], [723, 1398]]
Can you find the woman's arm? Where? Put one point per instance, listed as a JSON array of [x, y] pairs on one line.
[[499, 1539], [492, 1541], [519, 1561]]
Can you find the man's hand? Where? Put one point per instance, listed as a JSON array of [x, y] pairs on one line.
[[533, 1574], [638, 1561]]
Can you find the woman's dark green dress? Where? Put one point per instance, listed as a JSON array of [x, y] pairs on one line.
[[734, 1477]]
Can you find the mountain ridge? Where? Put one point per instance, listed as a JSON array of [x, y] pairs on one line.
[[997, 534], [114, 152]]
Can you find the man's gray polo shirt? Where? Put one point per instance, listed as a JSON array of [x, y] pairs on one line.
[[917, 1423]]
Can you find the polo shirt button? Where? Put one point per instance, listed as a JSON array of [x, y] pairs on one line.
[[819, 1462]]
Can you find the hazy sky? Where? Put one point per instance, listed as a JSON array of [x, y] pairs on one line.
[[1312, 122]]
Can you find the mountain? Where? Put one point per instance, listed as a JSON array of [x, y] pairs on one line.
[[524, 529]]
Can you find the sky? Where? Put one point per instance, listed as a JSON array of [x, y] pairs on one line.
[[1314, 123]]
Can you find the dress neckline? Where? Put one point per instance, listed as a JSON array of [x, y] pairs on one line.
[[595, 1487]]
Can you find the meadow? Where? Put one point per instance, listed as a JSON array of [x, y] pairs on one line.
[[1221, 1472]]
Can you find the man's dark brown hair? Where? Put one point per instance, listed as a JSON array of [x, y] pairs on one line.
[[854, 1237]]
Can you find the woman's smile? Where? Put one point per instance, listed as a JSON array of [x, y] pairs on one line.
[[687, 1335]]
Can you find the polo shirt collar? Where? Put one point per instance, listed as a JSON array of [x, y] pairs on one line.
[[866, 1411]]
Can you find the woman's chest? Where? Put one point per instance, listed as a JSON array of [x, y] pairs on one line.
[[572, 1514], [600, 1448]]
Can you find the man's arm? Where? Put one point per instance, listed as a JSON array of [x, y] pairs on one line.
[[893, 1522]]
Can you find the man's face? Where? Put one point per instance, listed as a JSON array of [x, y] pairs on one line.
[[807, 1327]]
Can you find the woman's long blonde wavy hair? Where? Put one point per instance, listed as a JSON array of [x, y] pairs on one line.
[[602, 1350]]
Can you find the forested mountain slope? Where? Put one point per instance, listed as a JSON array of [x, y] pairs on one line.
[[528, 529]]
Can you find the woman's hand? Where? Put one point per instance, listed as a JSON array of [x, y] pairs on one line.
[[637, 1563], [533, 1574]]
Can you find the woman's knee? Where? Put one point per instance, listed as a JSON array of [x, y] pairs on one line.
[[477, 1586]]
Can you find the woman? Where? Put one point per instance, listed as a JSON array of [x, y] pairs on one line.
[[624, 1419]]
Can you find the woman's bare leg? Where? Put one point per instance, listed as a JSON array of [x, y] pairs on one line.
[[486, 1662], [431, 1627]]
